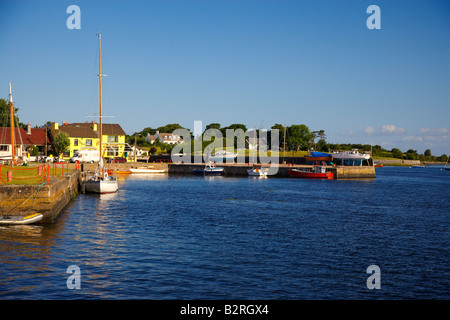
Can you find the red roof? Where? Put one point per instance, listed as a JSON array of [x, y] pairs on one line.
[[37, 136]]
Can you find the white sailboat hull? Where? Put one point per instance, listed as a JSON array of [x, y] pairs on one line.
[[144, 170], [101, 186]]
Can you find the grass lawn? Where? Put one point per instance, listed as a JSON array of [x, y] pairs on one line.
[[28, 175]]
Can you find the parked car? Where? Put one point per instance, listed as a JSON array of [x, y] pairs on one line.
[[116, 160]]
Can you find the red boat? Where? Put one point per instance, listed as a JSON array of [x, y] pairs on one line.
[[317, 173], [378, 165]]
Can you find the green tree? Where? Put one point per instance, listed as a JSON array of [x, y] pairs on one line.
[[168, 147], [234, 126], [169, 128], [213, 126], [427, 153], [299, 137], [239, 136], [280, 129], [147, 130], [322, 145], [5, 115], [35, 151], [411, 154], [61, 143], [396, 153]]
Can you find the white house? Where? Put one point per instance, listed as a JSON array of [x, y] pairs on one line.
[[25, 140], [138, 150], [168, 138]]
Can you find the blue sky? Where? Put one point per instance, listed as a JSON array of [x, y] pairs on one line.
[[256, 62]]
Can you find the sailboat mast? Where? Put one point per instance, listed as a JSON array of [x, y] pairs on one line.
[[13, 145], [100, 89]]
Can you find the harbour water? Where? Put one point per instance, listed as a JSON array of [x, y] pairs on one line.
[[186, 237]]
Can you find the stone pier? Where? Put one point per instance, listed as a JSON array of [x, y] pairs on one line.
[[48, 199]]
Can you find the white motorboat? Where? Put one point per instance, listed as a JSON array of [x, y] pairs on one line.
[[258, 172], [148, 170], [352, 155]]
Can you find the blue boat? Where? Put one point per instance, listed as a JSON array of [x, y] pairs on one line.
[[209, 170], [318, 156]]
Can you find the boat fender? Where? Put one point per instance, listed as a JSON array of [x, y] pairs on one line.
[[105, 175]]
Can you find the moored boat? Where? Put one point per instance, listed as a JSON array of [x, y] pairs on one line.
[[319, 156], [209, 170], [121, 171], [318, 172], [378, 165], [351, 158], [353, 155], [21, 220], [257, 172], [148, 169], [100, 181], [446, 164]]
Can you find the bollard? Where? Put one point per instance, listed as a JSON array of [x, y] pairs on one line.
[[9, 176]]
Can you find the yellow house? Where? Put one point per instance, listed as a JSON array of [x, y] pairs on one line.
[[86, 135], [113, 140]]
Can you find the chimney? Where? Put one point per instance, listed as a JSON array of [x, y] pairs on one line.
[[95, 127], [28, 128], [56, 125]]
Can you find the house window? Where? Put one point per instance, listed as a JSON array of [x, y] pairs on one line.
[[113, 138], [75, 142], [4, 148], [89, 142]]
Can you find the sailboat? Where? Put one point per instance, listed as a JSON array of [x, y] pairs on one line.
[[11, 135], [101, 181], [445, 167], [9, 155], [16, 220]]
